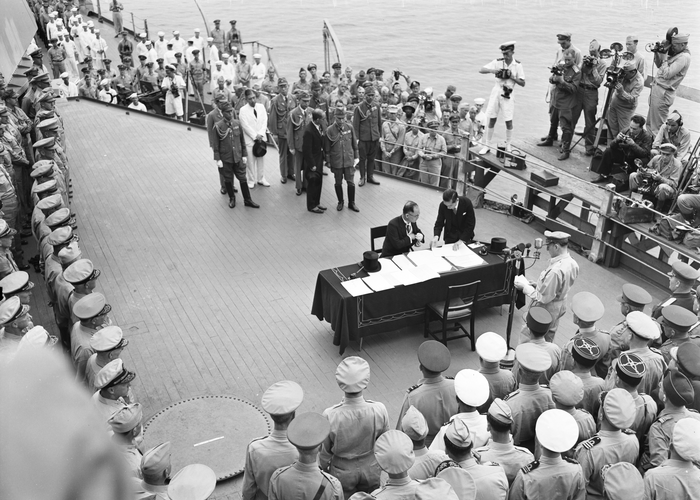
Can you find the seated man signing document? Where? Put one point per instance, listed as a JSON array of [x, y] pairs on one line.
[[402, 232], [456, 216]]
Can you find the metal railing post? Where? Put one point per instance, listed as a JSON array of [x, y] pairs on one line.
[[99, 10], [145, 26], [133, 24]]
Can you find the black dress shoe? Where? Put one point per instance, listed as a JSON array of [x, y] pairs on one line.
[[547, 137], [283, 180], [23, 267], [322, 207], [232, 203], [362, 182], [546, 142], [372, 181], [340, 206], [291, 177], [251, 204], [222, 190], [298, 192], [316, 210], [353, 207], [601, 178]]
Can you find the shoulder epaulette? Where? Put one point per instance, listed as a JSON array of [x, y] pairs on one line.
[[476, 455], [281, 470], [514, 393], [338, 405], [576, 70], [500, 59], [449, 377], [516, 61], [413, 387], [693, 410], [589, 443], [530, 467], [491, 464], [544, 386], [668, 302], [570, 460], [663, 418], [583, 410], [446, 465], [654, 349], [629, 432], [481, 448], [257, 439]]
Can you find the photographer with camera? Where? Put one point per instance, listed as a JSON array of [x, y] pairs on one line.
[[174, 87], [675, 133], [592, 75], [631, 47], [566, 81], [673, 62], [660, 177], [509, 73], [632, 144], [564, 41], [627, 86]]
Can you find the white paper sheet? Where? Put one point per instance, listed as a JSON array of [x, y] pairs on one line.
[[356, 287], [377, 282], [388, 267], [447, 251], [402, 262], [469, 259], [423, 274]]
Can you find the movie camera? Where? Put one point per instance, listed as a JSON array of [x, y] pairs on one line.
[[614, 72], [664, 46], [503, 74]]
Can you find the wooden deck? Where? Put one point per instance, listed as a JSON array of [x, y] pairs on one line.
[[217, 301]]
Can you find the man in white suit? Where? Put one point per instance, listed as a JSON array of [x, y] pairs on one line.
[[253, 118]]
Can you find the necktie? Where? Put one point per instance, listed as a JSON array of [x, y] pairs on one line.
[[408, 228], [255, 112]]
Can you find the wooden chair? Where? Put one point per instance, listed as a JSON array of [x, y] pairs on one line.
[[375, 233], [460, 304]]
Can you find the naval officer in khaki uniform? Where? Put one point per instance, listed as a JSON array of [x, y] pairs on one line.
[[267, 454], [394, 453], [492, 348], [356, 424], [552, 476], [554, 283], [303, 479], [128, 435], [633, 298], [434, 395], [587, 309]]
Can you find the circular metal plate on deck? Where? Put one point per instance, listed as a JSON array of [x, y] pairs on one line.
[[209, 430]]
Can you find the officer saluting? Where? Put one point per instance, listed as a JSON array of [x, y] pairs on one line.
[[434, 396], [267, 454], [552, 476], [303, 479], [356, 424]]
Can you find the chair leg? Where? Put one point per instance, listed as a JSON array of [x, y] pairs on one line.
[[472, 322], [426, 329], [444, 332], [361, 339]]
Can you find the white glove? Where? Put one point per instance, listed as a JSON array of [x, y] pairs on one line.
[[219, 163], [245, 160], [419, 236], [355, 162], [521, 282]]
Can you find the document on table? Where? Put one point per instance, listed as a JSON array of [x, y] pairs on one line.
[[466, 260], [430, 260], [377, 282], [402, 262], [447, 251], [388, 267], [356, 287]]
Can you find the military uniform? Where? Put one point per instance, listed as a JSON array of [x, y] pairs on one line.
[[592, 387], [367, 123], [655, 367], [555, 352], [397, 489], [601, 338], [660, 435], [280, 107], [304, 481], [512, 458], [549, 478], [426, 463], [436, 399], [682, 299], [263, 457], [607, 447], [618, 344], [490, 478], [527, 404], [672, 480], [501, 383], [299, 118], [476, 424]]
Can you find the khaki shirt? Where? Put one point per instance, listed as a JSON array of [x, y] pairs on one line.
[[436, 399], [608, 447], [263, 457]]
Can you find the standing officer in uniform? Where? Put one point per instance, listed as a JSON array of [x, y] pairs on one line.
[[414, 425], [554, 283], [341, 155], [677, 477], [644, 331], [537, 322], [313, 162], [531, 399], [676, 325], [679, 395], [356, 424], [231, 155], [107, 344], [682, 278], [565, 98], [92, 312], [367, 122], [587, 309], [299, 117], [394, 453], [633, 298], [304, 479], [277, 122], [585, 354], [267, 454], [567, 392], [434, 395], [613, 444], [472, 390], [629, 370], [113, 389], [552, 476], [492, 348], [592, 75], [156, 469], [500, 449]]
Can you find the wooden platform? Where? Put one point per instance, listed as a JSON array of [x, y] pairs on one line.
[[218, 301]]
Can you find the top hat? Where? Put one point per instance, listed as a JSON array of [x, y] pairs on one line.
[[370, 262], [497, 245]]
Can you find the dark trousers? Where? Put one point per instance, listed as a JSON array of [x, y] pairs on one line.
[[313, 189], [228, 171], [567, 127], [368, 152], [588, 104], [612, 155], [553, 122], [286, 158]]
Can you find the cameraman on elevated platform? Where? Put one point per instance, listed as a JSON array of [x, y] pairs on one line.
[[566, 80], [661, 176], [629, 145]]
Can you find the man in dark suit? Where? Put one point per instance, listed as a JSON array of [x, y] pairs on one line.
[[313, 162], [402, 232], [456, 216]]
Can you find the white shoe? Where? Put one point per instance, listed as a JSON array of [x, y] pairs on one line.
[[508, 148], [264, 183], [251, 185], [485, 150]]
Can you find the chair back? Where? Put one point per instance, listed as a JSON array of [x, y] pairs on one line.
[[374, 233], [460, 298]]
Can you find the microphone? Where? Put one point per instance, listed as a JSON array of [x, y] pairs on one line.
[[538, 243], [527, 249]]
